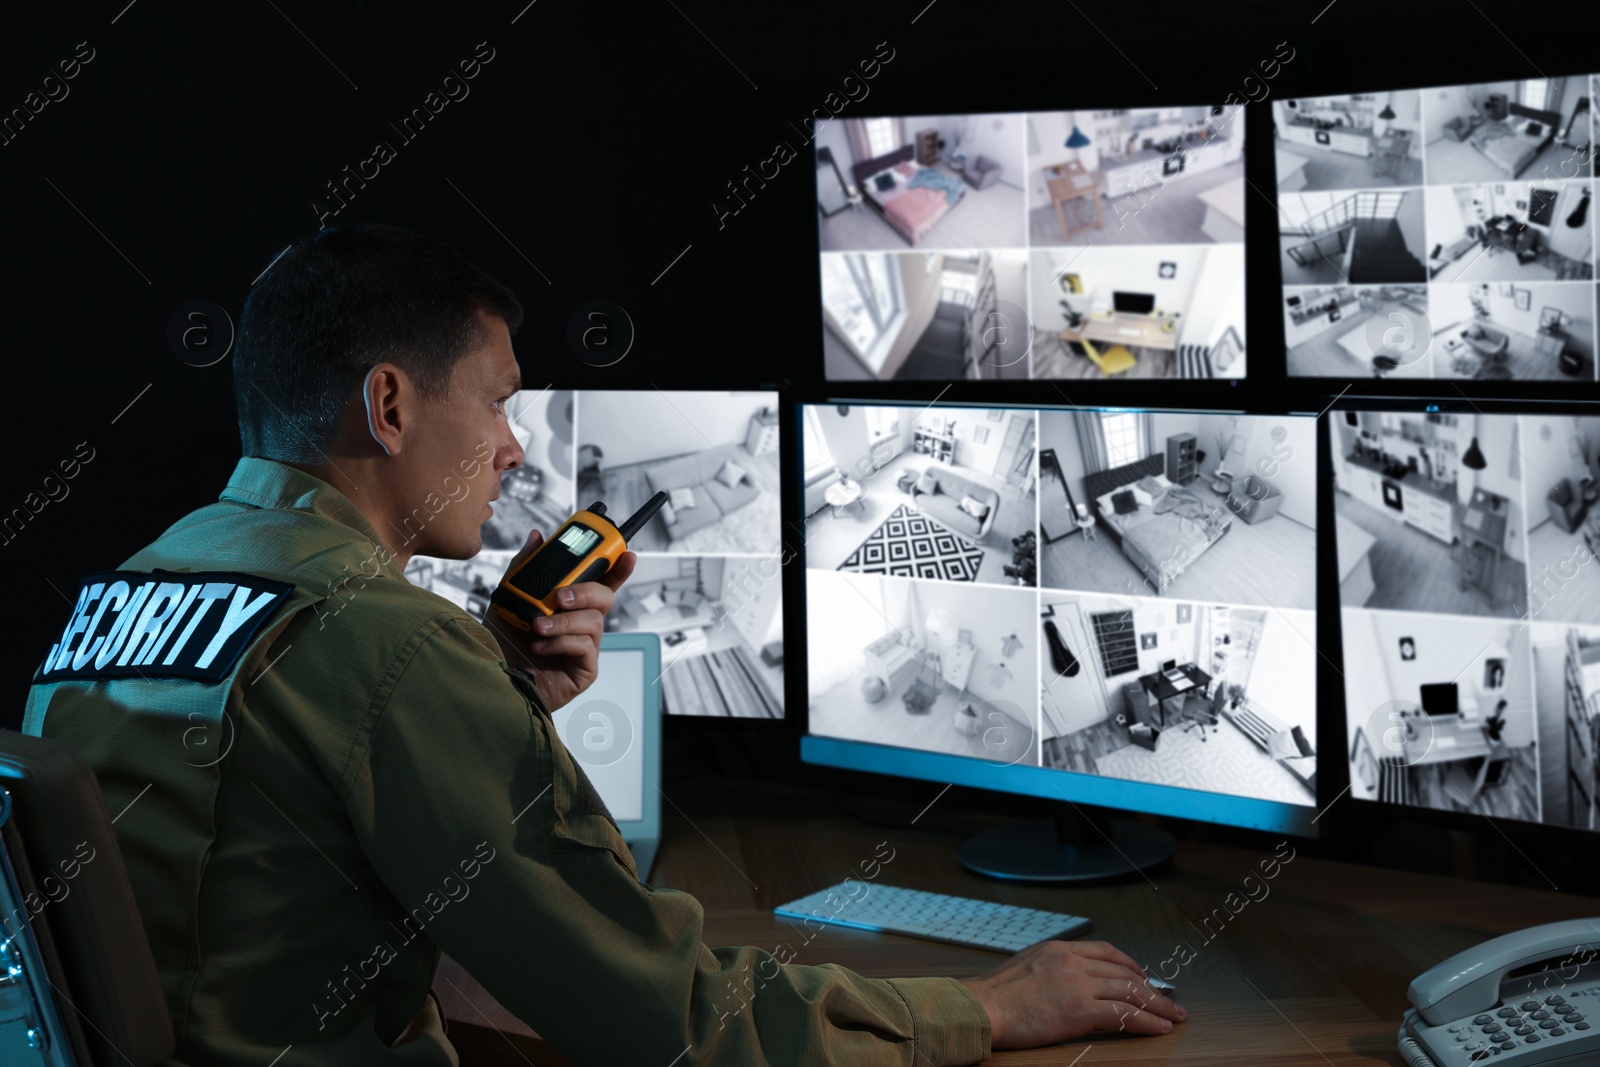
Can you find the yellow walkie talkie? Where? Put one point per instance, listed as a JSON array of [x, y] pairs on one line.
[[583, 549]]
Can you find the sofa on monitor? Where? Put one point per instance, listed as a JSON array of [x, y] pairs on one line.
[[938, 495], [712, 497], [893, 659], [1255, 499], [661, 606]]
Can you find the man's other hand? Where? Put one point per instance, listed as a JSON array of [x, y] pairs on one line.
[[562, 650], [1058, 990]]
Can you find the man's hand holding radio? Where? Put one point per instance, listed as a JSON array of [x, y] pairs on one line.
[[563, 650]]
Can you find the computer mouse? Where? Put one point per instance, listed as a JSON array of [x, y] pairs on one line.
[[1162, 986]]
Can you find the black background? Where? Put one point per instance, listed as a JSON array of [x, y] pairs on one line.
[[189, 152]]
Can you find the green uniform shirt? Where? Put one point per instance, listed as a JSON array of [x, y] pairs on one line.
[[369, 785]]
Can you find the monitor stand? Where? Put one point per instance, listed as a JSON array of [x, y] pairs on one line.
[[1080, 844]]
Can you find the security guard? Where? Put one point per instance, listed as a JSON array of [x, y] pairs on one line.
[[327, 776]]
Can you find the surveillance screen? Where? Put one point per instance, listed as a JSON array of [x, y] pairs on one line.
[[707, 579], [1471, 639], [1439, 233], [1114, 593], [1045, 244]]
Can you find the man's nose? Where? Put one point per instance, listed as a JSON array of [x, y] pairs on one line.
[[510, 453]]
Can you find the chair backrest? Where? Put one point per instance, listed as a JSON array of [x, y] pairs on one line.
[[72, 910]]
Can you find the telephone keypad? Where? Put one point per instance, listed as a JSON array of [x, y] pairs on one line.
[[1507, 1027]]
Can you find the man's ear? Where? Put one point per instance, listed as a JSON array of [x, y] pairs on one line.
[[384, 391]]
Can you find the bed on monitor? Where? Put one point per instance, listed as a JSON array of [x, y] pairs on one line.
[[1161, 543], [911, 210]]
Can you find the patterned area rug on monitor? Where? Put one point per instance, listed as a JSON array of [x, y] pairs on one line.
[[911, 545]]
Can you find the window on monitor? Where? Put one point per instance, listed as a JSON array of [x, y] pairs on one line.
[[817, 457], [881, 422], [1121, 435], [861, 294], [880, 136]]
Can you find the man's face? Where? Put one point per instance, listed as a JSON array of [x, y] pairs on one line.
[[466, 446]]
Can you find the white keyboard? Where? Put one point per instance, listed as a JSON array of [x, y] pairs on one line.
[[934, 916]]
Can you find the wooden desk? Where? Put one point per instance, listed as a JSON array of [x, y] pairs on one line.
[[1451, 740], [1071, 181], [1445, 740], [1158, 686], [1312, 972], [1140, 331], [1389, 153]]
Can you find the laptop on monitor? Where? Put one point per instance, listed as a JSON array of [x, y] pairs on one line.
[[613, 731]]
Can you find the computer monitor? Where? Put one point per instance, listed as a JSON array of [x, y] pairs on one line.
[[1414, 239], [1133, 303], [1469, 628], [948, 243], [1440, 698], [708, 576], [963, 626], [613, 730]]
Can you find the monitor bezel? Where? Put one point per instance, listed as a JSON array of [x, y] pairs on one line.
[[1048, 783]]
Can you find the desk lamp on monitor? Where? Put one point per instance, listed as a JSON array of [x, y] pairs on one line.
[[955, 633], [1471, 674]]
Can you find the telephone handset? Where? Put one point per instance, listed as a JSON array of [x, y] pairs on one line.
[[1531, 997]]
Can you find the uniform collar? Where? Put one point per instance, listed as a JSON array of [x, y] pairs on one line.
[[266, 483]]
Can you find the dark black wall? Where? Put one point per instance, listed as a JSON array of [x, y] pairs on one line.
[[584, 161]]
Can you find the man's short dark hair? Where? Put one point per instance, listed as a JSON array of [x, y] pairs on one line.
[[339, 302]]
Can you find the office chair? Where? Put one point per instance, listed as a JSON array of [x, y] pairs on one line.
[[84, 991], [1201, 710], [1116, 359]]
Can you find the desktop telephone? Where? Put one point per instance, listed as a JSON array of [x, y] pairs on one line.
[[1532, 997]]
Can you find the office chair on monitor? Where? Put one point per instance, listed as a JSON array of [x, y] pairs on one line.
[[1202, 709], [1115, 360]]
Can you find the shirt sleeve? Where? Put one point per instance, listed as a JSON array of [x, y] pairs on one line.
[[468, 804]]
